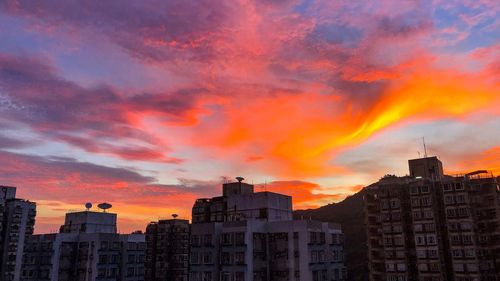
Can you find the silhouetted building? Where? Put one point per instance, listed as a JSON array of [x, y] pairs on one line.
[[247, 235], [17, 219], [427, 167], [87, 248], [167, 250], [430, 227]]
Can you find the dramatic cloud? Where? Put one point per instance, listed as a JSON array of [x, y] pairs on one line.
[[304, 194], [328, 94]]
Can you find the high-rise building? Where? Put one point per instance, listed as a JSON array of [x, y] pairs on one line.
[[429, 226], [87, 248], [246, 235], [17, 219], [167, 250]]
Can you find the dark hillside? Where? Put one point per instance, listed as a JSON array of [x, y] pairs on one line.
[[350, 214]]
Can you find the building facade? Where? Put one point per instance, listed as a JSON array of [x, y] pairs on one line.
[[247, 235], [17, 220], [167, 250], [87, 248], [432, 227]]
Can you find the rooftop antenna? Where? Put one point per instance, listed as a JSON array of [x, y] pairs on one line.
[[418, 153], [88, 205], [104, 206], [239, 179], [425, 148], [175, 216]]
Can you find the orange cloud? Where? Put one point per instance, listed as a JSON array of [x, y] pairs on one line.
[[487, 160], [304, 194]]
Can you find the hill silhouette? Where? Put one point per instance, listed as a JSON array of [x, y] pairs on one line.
[[350, 214]]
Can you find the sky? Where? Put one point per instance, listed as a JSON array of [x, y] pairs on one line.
[[150, 104]]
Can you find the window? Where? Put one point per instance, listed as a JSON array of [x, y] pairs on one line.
[[396, 216], [472, 267], [397, 228], [423, 267], [195, 258], [426, 201], [314, 256], [239, 238], [398, 241], [312, 238], [387, 241], [431, 239], [467, 239], [226, 239], [432, 253], [434, 267], [394, 204], [459, 186], [384, 204], [400, 254], [421, 254], [207, 276], [470, 253], [419, 240], [418, 227], [417, 215], [207, 258], [130, 271], [446, 187], [322, 238], [239, 258], [226, 258], [415, 202], [195, 240], [458, 267], [195, 276], [463, 212], [321, 256], [263, 213], [207, 240], [455, 239], [466, 226], [103, 259], [101, 272], [424, 189], [450, 212], [239, 276], [104, 245], [430, 227], [386, 229], [428, 214]]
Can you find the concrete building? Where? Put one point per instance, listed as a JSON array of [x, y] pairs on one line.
[[17, 219], [472, 211], [430, 227], [87, 248], [247, 235], [167, 250]]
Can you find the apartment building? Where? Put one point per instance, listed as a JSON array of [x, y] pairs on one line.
[[87, 248], [472, 210], [167, 250], [430, 226], [17, 220], [247, 235]]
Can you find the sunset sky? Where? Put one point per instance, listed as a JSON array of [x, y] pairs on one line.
[[147, 105]]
